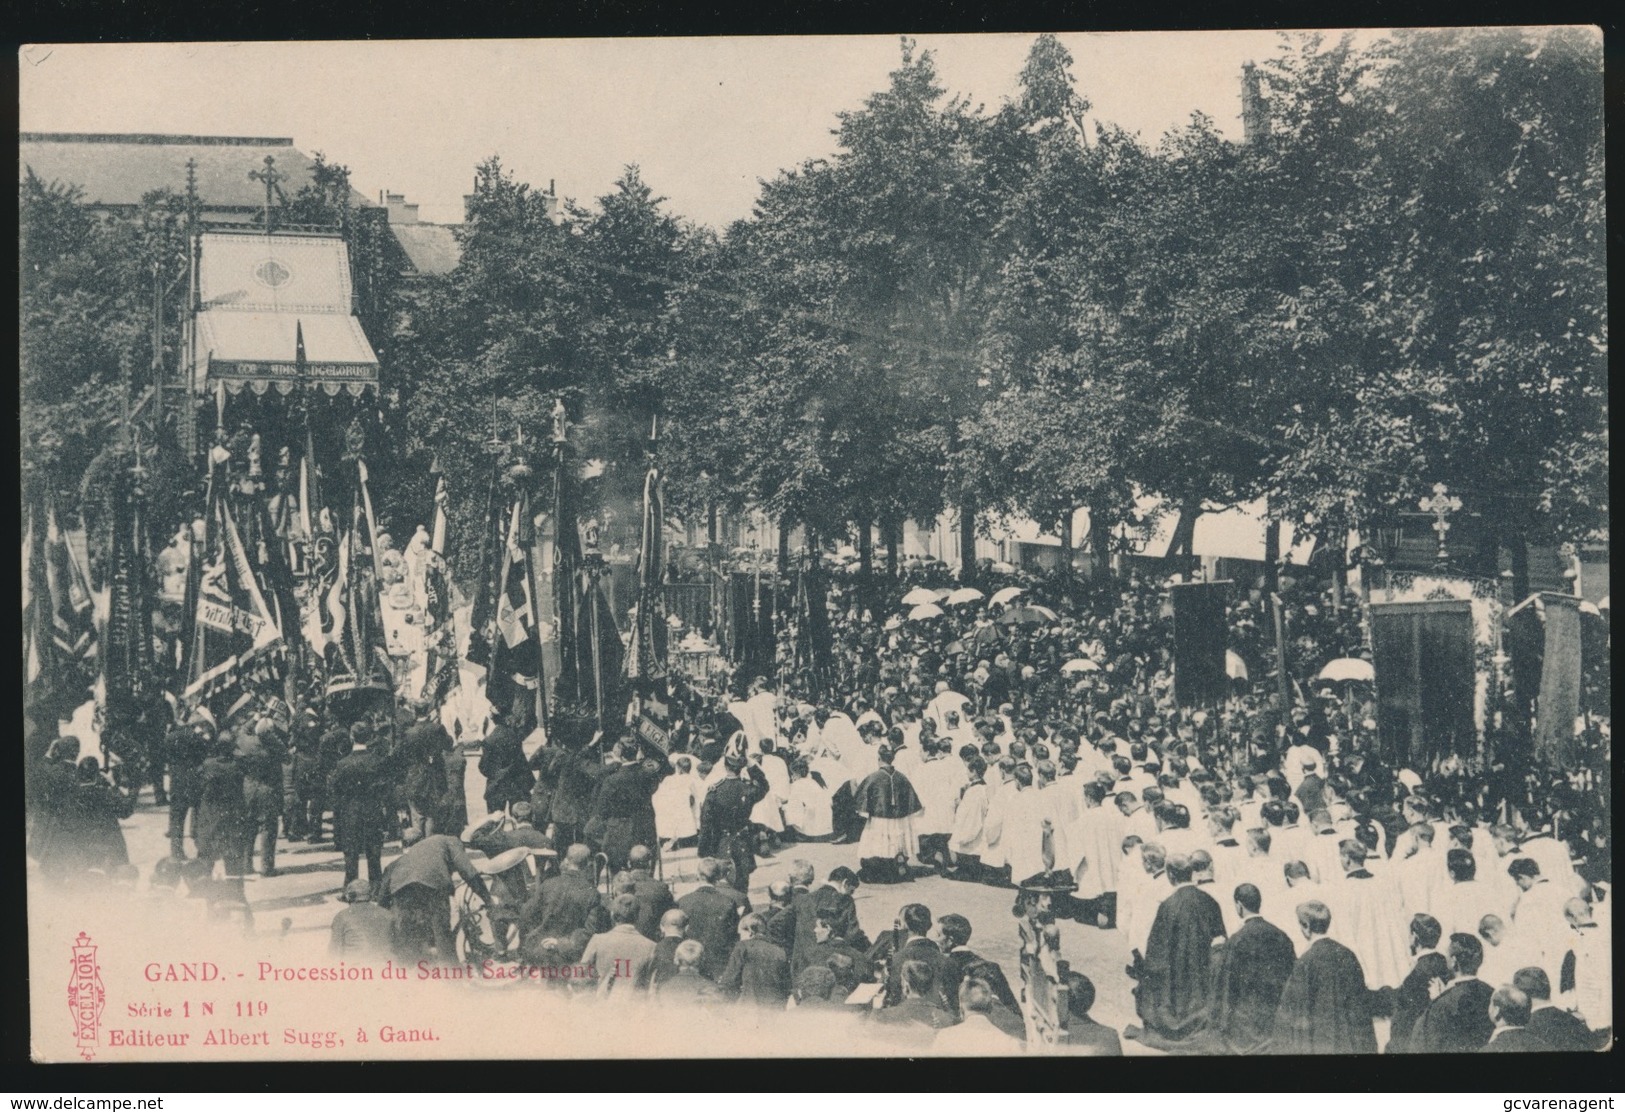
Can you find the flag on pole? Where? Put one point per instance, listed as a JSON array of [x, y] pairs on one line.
[[646, 659], [442, 498], [73, 623]]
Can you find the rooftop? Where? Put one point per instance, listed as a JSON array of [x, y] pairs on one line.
[[118, 170]]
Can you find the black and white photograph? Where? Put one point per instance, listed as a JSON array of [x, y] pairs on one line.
[[903, 546]]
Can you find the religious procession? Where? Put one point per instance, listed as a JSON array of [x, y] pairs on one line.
[[1070, 597]]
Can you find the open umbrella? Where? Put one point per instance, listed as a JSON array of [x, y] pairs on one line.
[[1234, 666], [1005, 594], [1046, 612], [893, 623], [1081, 664], [963, 595], [919, 596], [1590, 608], [1024, 615], [1346, 669], [926, 610], [1003, 568]]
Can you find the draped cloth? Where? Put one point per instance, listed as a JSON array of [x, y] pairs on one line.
[[1325, 1006], [1251, 972], [1175, 989], [1559, 682]]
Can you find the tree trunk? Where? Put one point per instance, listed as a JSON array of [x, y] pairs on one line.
[[1066, 542], [785, 526], [866, 562], [1519, 545], [1100, 544], [967, 541], [1272, 556], [711, 524], [893, 530], [1184, 538]]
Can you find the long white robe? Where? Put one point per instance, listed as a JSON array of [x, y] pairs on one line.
[[1023, 833], [970, 816], [1062, 804], [937, 782], [1096, 840], [768, 811], [1418, 879], [1459, 907], [676, 806], [1368, 919], [937, 709], [808, 811]]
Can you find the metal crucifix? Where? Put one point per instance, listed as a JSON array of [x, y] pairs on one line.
[[1441, 505], [270, 176]]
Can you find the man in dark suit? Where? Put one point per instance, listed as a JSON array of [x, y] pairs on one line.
[[358, 790], [758, 972], [779, 918], [1251, 972], [962, 963], [564, 903], [834, 899], [1413, 997], [713, 918], [800, 879], [907, 942], [508, 777], [1458, 1019], [654, 896], [915, 1020], [687, 987], [673, 933], [1510, 1011], [1558, 1029], [623, 814], [417, 887], [1088, 1037]]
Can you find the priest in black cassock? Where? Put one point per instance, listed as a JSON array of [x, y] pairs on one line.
[[1458, 1020], [1175, 988], [1414, 993], [888, 802], [1325, 1007], [1253, 968]]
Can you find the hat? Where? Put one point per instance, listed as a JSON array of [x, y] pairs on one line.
[[734, 762]]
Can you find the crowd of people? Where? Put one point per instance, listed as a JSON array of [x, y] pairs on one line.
[[1270, 882]]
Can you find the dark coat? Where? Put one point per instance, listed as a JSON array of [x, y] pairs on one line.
[[1516, 1040], [502, 762], [965, 963], [757, 972], [1561, 1030], [1252, 971], [358, 791], [1458, 1021], [713, 921], [1175, 990], [1412, 999], [222, 815], [893, 950], [1098, 1040], [844, 913], [562, 904], [624, 814], [654, 900], [1325, 1006]]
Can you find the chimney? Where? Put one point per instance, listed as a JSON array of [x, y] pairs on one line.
[[1255, 117], [400, 211]]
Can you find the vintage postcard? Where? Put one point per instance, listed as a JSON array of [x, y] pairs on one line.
[[967, 545]]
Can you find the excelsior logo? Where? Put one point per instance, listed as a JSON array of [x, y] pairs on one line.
[[86, 996]]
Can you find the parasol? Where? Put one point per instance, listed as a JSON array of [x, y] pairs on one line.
[[1348, 669], [926, 610], [1082, 664], [1005, 594], [963, 595], [1003, 568], [1024, 615], [919, 596]]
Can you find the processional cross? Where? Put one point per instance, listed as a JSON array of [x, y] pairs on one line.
[[270, 176], [1441, 505]]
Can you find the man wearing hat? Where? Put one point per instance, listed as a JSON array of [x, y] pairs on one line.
[[362, 929], [188, 747], [725, 826]]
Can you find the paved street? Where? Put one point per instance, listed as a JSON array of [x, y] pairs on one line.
[[299, 905]]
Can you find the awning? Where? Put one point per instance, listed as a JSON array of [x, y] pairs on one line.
[[259, 350], [259, 293], [1238, 534]]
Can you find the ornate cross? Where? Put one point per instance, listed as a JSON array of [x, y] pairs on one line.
[[270, 177], [1441, 504]]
